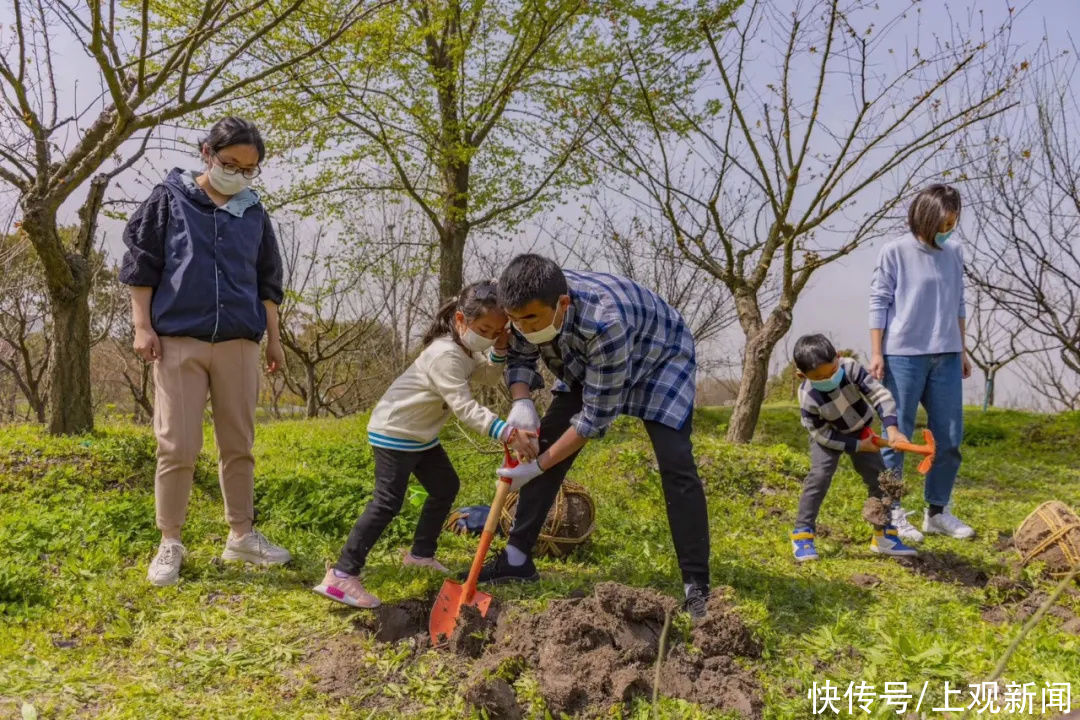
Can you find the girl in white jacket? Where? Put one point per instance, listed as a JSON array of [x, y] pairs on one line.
[[466, 342]]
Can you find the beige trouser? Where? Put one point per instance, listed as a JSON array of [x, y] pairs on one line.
[[187, 371]]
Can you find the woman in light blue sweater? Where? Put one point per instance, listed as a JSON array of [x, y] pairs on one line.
[[918, 346]]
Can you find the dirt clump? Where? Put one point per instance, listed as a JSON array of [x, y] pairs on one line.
[[394, 622], [865, 580], [473, 631], [892, 487], [496, 696], [876, 511], [591, 653]]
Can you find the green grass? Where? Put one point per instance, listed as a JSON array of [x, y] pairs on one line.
[[83, 635]]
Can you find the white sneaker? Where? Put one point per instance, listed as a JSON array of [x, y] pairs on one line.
[[254, 548], [945, 523], [903, 526], [165, 567]]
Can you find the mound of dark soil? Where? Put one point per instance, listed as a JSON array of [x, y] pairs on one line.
[[591, 653]]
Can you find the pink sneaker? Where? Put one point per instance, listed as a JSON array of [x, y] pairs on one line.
[[430, 563], [346, 590]]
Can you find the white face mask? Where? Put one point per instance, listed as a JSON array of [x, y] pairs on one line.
[[542, 336], [227, 184], [475, 341]]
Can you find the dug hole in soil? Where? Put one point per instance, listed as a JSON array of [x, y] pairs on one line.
[[587, 653], [591, 653]]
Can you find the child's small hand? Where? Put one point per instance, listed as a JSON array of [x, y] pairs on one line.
[[523, 444], [867, 445], [895, 435]]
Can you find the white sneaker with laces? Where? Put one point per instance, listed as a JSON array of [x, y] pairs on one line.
[[165, 567], [903, 526], [945, 523], [254, 548]]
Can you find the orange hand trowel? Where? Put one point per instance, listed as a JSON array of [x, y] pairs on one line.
[[927, 449], [453, 596]]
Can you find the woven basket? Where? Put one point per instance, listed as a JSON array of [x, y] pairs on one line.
[[569, 523], [1050, 534]]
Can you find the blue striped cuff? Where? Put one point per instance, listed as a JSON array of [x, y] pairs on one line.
[[497, 428], [497, 359], [392, 443]]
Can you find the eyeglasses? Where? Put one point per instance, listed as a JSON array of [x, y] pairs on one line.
[[229, 169]]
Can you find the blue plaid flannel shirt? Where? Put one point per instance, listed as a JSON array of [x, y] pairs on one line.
[[628, 350]]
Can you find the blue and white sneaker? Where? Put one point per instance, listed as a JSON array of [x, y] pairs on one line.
[[887, 542], [802, 544]]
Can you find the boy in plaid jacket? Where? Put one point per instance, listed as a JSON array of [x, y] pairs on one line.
[[838, 398]]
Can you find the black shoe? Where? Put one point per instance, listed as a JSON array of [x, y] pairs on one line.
[[499, 570], [696, 600]]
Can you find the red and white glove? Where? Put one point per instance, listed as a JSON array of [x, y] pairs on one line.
[[520, 475]]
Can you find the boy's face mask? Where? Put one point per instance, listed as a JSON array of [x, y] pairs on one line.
[[832, 383]]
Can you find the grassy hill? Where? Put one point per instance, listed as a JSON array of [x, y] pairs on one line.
[[83, 635]]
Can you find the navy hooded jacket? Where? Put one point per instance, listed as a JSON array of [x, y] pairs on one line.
[[210, 267]]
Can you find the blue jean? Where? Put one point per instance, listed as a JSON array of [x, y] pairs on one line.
[[936, 381]]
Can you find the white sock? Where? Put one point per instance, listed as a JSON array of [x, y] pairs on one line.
[[514, 556], [686, 589]]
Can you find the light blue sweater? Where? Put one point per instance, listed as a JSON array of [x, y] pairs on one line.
[[917, 297]]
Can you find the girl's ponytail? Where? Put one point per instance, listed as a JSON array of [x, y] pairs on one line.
[[474, 300], [443, 322]]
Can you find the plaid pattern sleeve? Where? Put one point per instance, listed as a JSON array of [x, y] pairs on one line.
[[603, 393], [877, 394], [520, 361], [819, 428], [836, 419]]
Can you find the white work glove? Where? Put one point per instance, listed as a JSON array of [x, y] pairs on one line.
[[523, 416], [521, 475]]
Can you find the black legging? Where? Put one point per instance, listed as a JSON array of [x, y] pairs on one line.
[[392, 470]]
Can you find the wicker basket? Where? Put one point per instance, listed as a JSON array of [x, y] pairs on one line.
[[1050, 534], [569, 523]]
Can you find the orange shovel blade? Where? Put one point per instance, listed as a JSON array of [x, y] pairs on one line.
[[447, 608]]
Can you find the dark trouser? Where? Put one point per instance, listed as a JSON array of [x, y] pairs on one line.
[[684, 494], [823, 463], [392, 470]]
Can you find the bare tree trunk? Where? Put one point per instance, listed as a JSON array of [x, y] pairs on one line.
[[312, 390], [455, 231], [761, 339], [988, 393], [451, 260], [67, 277], [69, 395]]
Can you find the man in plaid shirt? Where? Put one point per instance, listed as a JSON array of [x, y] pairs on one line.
[[616, 348], [837, 399]]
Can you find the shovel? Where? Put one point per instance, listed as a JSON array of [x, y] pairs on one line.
[[927, 449], [453, 596]]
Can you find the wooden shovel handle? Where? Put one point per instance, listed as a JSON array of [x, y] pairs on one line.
[[502, 489]]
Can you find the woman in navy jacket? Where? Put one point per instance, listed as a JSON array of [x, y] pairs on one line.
[[206, 280]]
